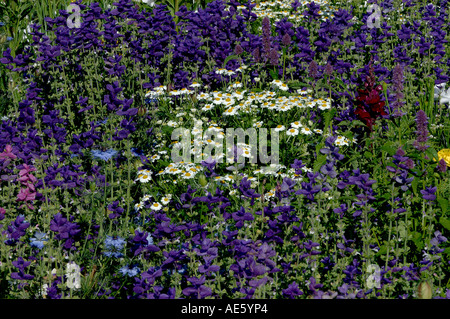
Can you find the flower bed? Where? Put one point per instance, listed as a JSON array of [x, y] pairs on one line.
[[352, 201]]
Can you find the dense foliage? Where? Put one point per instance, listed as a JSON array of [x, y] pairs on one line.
[[92, 204]]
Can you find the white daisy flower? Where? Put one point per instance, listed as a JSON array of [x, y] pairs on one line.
[[195, 85], [146, 198], [188, 175], [292, 132], [172, 123], [296, 124], [258, 124], [230, 111], [144, 178], [306, 131], [155, 158], [156, 206], [317, 131]]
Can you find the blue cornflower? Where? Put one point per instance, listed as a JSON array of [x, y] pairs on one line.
[[101, 122], [130, 272], [38, 240], [114, 246], [2, 24], [106, 155], [9, 38]]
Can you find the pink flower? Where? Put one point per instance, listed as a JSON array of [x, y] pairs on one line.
[[8, 153], [26, 169], [24, 179], [26, 194]]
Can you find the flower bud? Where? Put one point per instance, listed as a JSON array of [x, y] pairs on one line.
[[424, 290], [202, 180], [142, 110]]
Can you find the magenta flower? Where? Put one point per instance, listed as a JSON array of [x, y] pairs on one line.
[[26, 169], [8, 153], [26, 194]]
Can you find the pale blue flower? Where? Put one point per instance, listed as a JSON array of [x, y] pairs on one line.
[[106, 155], [38, 240], [114, 246], [130, 272]]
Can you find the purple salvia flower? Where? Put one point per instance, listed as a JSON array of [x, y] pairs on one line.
[[422, 131], [256, 55], [328, 71], [266, 36], [442, 166], [238, 49], [273, 57], [286, 40], [313, 69], [397, 80]]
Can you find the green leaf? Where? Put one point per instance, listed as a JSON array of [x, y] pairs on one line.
[[319, 147], [445, 222], [342, 123], [431, 153], [446, 251], [294, 84], [328, 116], [321, 160], [228, 58], [444, 205], [414, 184], [274, 74], [368, 154], [382, 251], [417, 239], [167, 129], [389, 148], [356, 122]]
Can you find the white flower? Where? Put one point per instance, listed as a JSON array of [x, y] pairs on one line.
[[306, 131], [73, 276], [195, 85], [188, 175], [317, 131], [258, 124], [279, 128], [146, 198], [156, 206], [230, 111], [166, 199], [207, 107], [172, 124], [144, 176], [440, 93], [296, 124], [292, 132]]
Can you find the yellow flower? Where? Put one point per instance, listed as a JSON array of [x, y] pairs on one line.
[[444, 154]]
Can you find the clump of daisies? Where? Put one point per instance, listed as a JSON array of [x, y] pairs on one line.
[[277, 84], [144, 176]]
